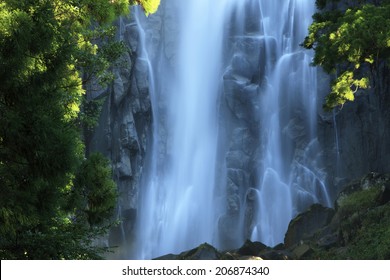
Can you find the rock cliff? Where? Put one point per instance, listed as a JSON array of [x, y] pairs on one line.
[[124, 128]]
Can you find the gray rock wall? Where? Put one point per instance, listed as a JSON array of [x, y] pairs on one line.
[[124, 128], [355, 138], [240, 134]]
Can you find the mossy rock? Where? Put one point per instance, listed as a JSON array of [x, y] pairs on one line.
[[368, 239], [362, 221], [358, 202], [380, 182], [306, 224], [371, 240]]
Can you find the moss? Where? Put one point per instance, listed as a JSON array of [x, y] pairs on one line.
[[363, 227], [359, 201], [331, 254], [372, 240]]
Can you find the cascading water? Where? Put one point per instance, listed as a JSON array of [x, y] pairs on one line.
[[290, 177], [222, 49], [178, 208]]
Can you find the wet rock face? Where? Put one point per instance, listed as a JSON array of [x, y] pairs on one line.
[[124, 127], [354, 138]]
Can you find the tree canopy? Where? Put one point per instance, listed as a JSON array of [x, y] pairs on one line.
[[350, 43], [54, 202]]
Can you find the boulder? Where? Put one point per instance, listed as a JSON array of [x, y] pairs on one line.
[[203, 252], [249, 251], [302, 251], [372, 180], [251, 248], [276, 255], [306, 224]]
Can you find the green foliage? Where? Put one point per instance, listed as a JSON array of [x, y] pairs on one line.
[[359, 201], [363, 229], [351, 44], [93, 195], [39, 94], [95, 60], [62, 241], [149, 6], [90, 113], [53, 202], [372, 240]]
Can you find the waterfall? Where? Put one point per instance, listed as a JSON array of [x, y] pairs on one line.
[[290, 176], [233, 151]]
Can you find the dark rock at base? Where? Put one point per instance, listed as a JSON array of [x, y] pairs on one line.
[[276, 255], [203, 252], [306, 224], [328, 241], [168, 257], [249, 251], [280, 246], [302, 251], [251, 248]]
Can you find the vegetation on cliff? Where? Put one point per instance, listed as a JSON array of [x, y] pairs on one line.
[[350, 43], [53, 202], [360, 229]]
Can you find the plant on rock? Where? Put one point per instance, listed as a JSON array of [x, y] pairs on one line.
[[351, 44], [149, 6]]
